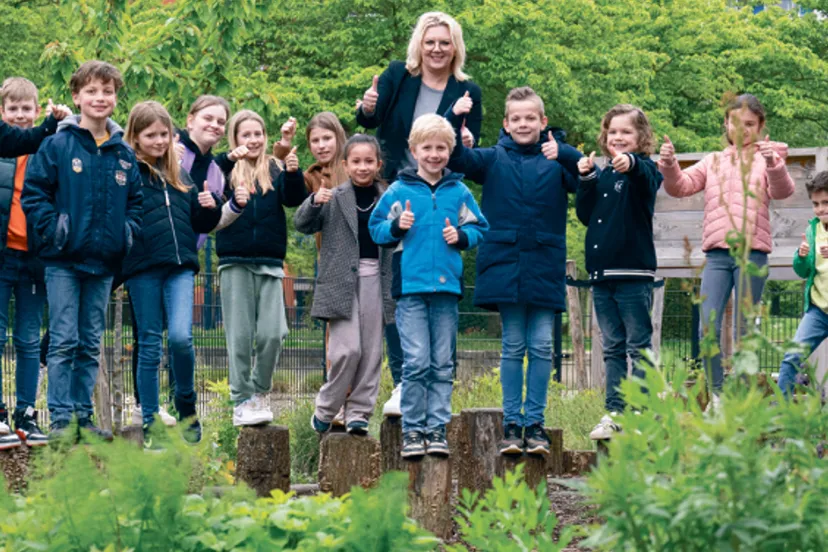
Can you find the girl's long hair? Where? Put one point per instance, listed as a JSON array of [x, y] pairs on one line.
[[249, 172], [143, 115], [329, 121]]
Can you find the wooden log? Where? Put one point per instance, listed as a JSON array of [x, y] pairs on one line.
[[576, 328], [480, 431], [346, 461], [103, 400], [535, 467], [14, 464], [598, 375], [578, 462], [118, 359], [391, 443], [554, 460], [134, 433], [726, 342], [429, 494], [263, 460], [658, 317]]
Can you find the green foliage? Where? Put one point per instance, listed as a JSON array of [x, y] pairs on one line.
[[304, 441], [219, 423], [509, 516]]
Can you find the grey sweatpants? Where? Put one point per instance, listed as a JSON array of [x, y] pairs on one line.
[[355, 353], [253, 310]]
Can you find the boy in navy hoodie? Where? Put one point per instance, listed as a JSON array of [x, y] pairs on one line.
[[15, 142], [430, 216], [521, 265], [82, 196]]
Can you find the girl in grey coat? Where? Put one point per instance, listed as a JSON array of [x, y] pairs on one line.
[[353, 287]]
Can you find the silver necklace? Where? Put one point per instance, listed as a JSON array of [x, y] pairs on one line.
[[361, 210]]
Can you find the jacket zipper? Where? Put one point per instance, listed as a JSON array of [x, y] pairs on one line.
[[172, 226]]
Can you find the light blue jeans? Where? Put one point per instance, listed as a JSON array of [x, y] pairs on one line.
[[526, 330], [428, 332], [812, 330]]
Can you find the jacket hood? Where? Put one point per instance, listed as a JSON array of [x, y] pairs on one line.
[[505, 140], [112, 127], [410, 176]]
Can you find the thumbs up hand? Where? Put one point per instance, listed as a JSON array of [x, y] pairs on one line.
[[463, 105], [292, 161], [407, 217], [586, 164], [450, 233], [768, 152], [620, 161], [241, 195], [288, 130], [668, 151], [205, 198], [238, 153], [369, 99], [804, 248], [466, 136], [322, 196], [59, 112], [550, 147]]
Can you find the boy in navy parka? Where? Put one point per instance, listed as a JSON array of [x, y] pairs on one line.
[[82, 195], [15, 142], [521, 265], [431, 216]]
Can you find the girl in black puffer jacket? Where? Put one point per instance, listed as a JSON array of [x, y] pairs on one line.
[[160, 268]]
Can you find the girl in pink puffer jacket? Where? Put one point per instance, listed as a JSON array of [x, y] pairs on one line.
[[720, 176]]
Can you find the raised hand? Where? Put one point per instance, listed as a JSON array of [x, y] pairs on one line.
[[550, 148], [668, 151], [765, 147], [407, 217], [59, 111], [288, 130], [205, 198], [292, 161], [450, 233], [322, 196], [804, 248], [586, 164], [369, 99], [238, 153], [620, 161], [463, 105], [466, 136], [241, 195]]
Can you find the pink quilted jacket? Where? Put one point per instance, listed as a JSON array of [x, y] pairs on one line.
[[719, 175]]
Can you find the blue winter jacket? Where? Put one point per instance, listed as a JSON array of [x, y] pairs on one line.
[[523, 256], [83, 201], [423, 262]]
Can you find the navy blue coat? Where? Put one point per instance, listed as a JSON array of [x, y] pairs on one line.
[[523, 256], [83, 201], [394, 114], [15, 142]]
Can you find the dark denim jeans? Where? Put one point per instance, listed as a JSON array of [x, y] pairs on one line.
[[623, 311], [394, 351], [812, 330], [157, 294], [29, 297], [428, 332], [77, 314]]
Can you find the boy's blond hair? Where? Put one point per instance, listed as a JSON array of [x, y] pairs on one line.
[[414, 59], [17, 89], [429, 126], [522, 94]]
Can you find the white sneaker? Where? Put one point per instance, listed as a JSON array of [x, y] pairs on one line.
[[262, 402], [4, 428], [166, 418], [606, 428], [339, 419], [246, 414], [137, 415], [714, 407], [392, 407]]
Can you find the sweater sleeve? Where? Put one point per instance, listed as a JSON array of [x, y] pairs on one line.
[[309, 217], [15, 142], [294, 190], [645, 175], [804, 266], [684, 183], [587, 195], [202, 220], [39, 192], [474, 120], [569, 157], [384, 218], [470, 221], [472, 162]]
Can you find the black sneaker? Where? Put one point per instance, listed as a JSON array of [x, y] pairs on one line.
[[413, 445], [512, 442], [151, 441], [25, 425], [193, 433], [436, 443], [358, 427], [86, 425], [318, 425], [536, 439]]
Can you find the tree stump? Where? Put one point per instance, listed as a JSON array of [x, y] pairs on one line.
[[479, 433], [535, 467], [554, 460], [134, 433], [14, 464], [603, 447], [391, 442], [346, 461], [578, 462], [429, 494], [263, 460]]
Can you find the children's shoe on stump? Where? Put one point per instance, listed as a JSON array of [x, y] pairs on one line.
[[8, 440], [318, 425], [88, 426], [166, 418], [339, 419], [606, 428], [248, 413], [391, 407], [358, 427], [512, 442], [413, 445], [25, 425], [536, 439], [436, 443]]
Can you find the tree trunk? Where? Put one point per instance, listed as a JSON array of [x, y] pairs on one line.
[[102, 398], [535, 467], [480, 431], [578, 462], [263, 460], [14, 466], [554, 461], [429, 494], [391, 441], [346, 461], [118, 363]]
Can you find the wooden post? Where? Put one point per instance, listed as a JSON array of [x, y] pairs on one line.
[[14, 466], [554, 460], [391, 443], [579, 462], [598, 379], [102, 397], [576, 328], [429, 494], [118, 363], [658, 317], [134, 433], [534, 467], [346, 461], [726, 342], [480, 431], [263, 460]]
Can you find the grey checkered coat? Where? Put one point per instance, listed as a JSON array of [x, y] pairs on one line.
[[333, 295]]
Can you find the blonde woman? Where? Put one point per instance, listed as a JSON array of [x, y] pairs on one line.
[[251, 253]]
